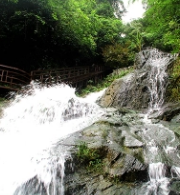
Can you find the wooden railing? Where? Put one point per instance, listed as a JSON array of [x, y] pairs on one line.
[[71, 74], [13, 78]]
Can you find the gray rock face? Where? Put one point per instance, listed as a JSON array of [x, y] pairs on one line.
[[130, 91], [135, 90], [116, 162], [175, 187], [119, 163], [169, 112]]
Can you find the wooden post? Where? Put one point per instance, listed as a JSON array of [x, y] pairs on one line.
[[2, 75]]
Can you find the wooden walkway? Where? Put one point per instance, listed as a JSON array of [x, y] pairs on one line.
[[13, 79]]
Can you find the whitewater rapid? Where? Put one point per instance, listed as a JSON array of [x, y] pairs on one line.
[[31, 125]]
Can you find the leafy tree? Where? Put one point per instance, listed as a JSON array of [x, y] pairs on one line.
[[117, 55], [52, 33], [134, 33], [162, 24]]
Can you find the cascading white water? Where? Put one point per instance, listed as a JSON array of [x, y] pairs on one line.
[[157, 80], [157, 171], [160, 141], [156, 65], [30, 127], [158, 180]]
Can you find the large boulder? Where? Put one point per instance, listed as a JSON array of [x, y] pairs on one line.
[[130, 91], [115, 157]]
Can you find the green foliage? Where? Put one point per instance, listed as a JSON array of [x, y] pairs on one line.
[[117, 55], [175, 97], [108, 31], [52, 33], [162, 23], [89, 157], [3, 102], [86, 154], [115, 179], [104, 9], [134, 33]]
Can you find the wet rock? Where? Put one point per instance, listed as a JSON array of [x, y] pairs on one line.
[[169, 112], [119, 157], [132, 142], [117, 140], [128, 168], [174, 187], [100, 186], [130, 91], [119, 86], [31, 187], [134, 90]]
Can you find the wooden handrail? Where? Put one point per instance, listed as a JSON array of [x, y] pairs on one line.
[[17, 73], [15, 77], [14, 68]]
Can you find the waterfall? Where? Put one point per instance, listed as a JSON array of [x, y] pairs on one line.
[[157, 86], [158, 180], [155, 64], [30, 127], [160, 141]]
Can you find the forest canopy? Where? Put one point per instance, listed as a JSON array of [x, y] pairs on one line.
[[50, 33], [56, 33]]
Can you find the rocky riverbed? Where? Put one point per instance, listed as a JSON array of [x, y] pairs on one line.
[[114, 159]]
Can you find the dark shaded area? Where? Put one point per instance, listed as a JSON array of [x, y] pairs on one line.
[[54, 34]]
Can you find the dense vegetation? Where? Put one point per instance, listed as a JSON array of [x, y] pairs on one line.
[[49, 33], [160, 26]]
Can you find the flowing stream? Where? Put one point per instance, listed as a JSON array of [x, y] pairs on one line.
[[31, 125], [161, 144]]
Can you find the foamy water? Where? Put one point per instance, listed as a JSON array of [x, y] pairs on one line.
[[31, 125]]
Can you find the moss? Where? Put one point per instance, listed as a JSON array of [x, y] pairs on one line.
[[108, 123], [136, 152], [90, 157], [105, 134], [114, 179], [173, 91], [2, 100], [3, 103]]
